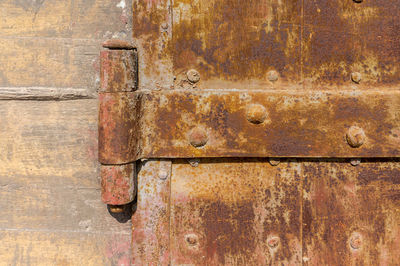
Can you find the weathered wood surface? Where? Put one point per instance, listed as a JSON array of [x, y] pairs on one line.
[[51, 209], [44, 93], [57, 43], [50, 202]]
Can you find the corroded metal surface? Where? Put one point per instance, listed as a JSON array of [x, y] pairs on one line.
[[118, 127], [235, 212], [118, 69], [117, 183], [351, 215], [237, 42], [190, 123], [279, 78], [151, 221]]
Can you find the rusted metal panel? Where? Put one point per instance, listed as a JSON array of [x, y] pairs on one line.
[[351, 214], [117, 183], [344, 36], [248, 123], [152, 33], [236, 43], [235, 212], [151, 221]]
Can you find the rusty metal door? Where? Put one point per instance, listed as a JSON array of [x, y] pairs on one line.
[[264, 132]]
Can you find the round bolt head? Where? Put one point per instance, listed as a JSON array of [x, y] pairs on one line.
[[355, 136], [194, 162], [256, 113], [355, 162], [164, 25], [193, 76], [274, 161], [116, 208], [356, 77], [192, 239], [273, 242], [198, 137], [162, 174], [356, 241], [272, 75]]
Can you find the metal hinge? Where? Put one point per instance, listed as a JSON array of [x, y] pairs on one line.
[[118, 79], [198, 122]]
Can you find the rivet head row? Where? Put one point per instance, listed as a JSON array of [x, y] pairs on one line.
[[355, 136], [198, 137], [256, 113], [193, 76]]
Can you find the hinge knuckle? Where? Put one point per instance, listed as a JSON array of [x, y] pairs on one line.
[[117, 102]]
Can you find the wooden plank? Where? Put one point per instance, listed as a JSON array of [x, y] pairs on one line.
[[55, 203], [98, 19], [44, 93], [50, 189], [63, 248], [41, 62], [49, 139]]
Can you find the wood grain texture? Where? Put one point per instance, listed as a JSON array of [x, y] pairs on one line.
[[51, 209], [49, 138], [57, 43], [96, 19], [62, 248], [44, 93]]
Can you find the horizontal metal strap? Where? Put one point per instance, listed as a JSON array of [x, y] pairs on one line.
[[248, 123]]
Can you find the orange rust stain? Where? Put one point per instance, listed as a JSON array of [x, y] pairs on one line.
[[237, 40], [234, 216]]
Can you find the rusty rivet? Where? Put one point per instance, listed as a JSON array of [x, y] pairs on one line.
[[356, 77], [198, 137], [274, 161], [162, 174], [355, 162], [164, 25], [194, 162], [193, 76], [272, 75], [256, 113], [192, 239], [273, 242], [355, 136], [116, 208], [117, 44], [356, 241]]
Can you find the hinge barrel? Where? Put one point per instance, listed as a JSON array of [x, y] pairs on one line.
[[118, 81]]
